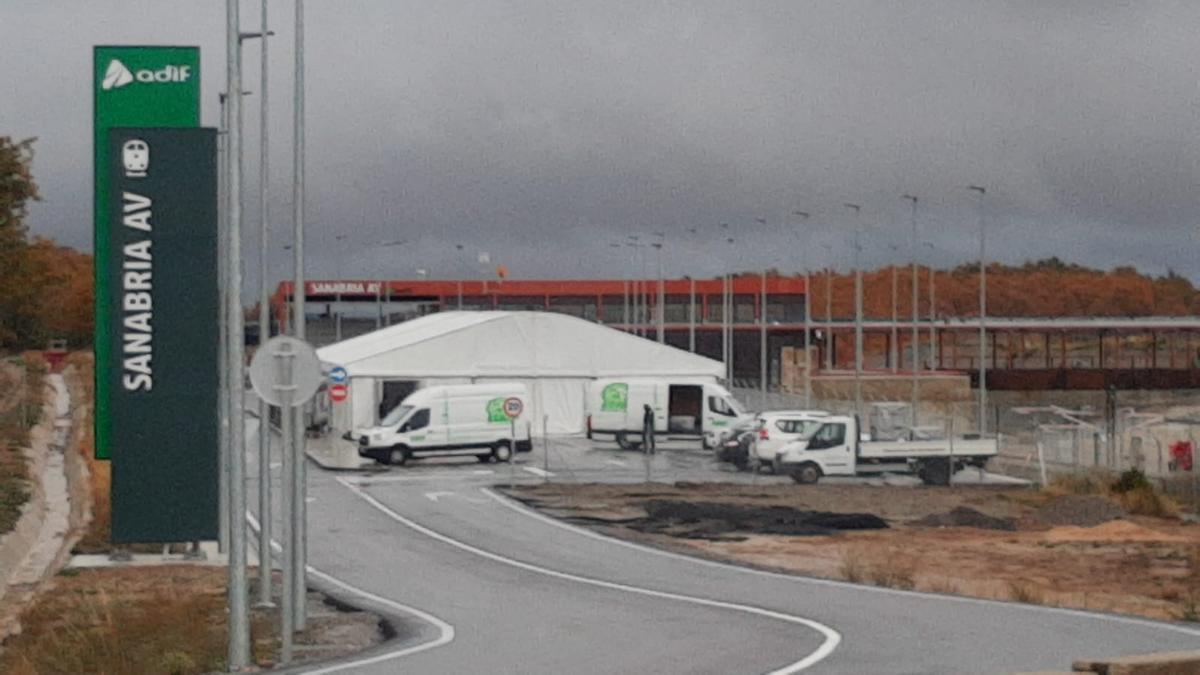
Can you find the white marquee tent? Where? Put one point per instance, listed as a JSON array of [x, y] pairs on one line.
[[554, 355]]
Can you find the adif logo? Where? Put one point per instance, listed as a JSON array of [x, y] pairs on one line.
[[117, 75]]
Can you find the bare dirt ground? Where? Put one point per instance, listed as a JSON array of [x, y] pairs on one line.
[[163, 619], [1080, 551]]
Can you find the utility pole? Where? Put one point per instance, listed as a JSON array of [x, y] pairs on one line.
[[858, 313], [982, 313], [916, 337]]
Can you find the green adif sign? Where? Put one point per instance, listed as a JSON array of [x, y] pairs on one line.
[[131, 87], [162, 352]]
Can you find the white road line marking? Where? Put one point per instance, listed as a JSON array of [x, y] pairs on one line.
[[536, 471], [830, 643], [521, 508], [615, 462], [445, 630], [416, 476], [434, 496]]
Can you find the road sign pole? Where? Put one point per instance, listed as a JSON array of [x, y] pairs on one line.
[[288, 495], [286, 372], [264, 333], [299, 515]]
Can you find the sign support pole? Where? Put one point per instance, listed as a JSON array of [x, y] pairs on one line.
[[264, 333], [239, 620], [300, 511]]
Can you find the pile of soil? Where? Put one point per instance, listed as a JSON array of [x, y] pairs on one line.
[[1112, 531], [965, 516], [1079, 510], [709, 520]]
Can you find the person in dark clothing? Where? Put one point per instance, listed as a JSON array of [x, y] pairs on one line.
[[648, 428]]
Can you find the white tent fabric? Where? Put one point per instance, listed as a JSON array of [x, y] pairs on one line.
[[555, 355]]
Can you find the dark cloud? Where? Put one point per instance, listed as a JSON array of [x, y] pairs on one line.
[[543, 131]]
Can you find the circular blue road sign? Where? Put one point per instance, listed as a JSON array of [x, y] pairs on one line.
[[338, 375]]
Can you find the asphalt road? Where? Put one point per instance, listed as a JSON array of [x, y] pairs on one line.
[[501, 589]]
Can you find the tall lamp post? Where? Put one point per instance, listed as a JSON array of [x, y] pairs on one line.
[[692, 303], [916, 338], [727, 314], [982, 312], [858, 313], [828, 308], [660, 297], [894, 350], [803, 216], [762, 334], [934, 358]]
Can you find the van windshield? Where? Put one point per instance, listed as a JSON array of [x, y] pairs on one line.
[[398, 413]]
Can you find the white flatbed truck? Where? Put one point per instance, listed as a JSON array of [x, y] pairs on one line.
[[836, 449]]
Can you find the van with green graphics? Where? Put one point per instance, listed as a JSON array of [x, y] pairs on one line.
[[463, 419], [682, 409]]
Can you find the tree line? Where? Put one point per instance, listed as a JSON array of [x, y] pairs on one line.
[[45, 289]]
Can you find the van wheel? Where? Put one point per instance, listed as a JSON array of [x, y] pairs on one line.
[[501, 452], [806, 474], [399, 456], [624, 443]]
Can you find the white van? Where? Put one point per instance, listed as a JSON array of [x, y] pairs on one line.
[[464, 419], [687, 409]]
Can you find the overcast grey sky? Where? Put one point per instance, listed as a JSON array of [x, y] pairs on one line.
[[541, 131]]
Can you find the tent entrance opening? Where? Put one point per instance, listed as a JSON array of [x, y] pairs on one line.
[[684, 407], [392, 393]]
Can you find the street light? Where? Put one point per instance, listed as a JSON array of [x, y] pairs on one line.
[[858, 313], [692, 303], [894, 351], [934, 359], [916, 337], [762, 334], [803, 215], [624, 289], [661, 299], [982, 313], [727, 315], [828, 308]]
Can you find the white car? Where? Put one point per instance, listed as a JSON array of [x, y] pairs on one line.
[[777, 428]]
